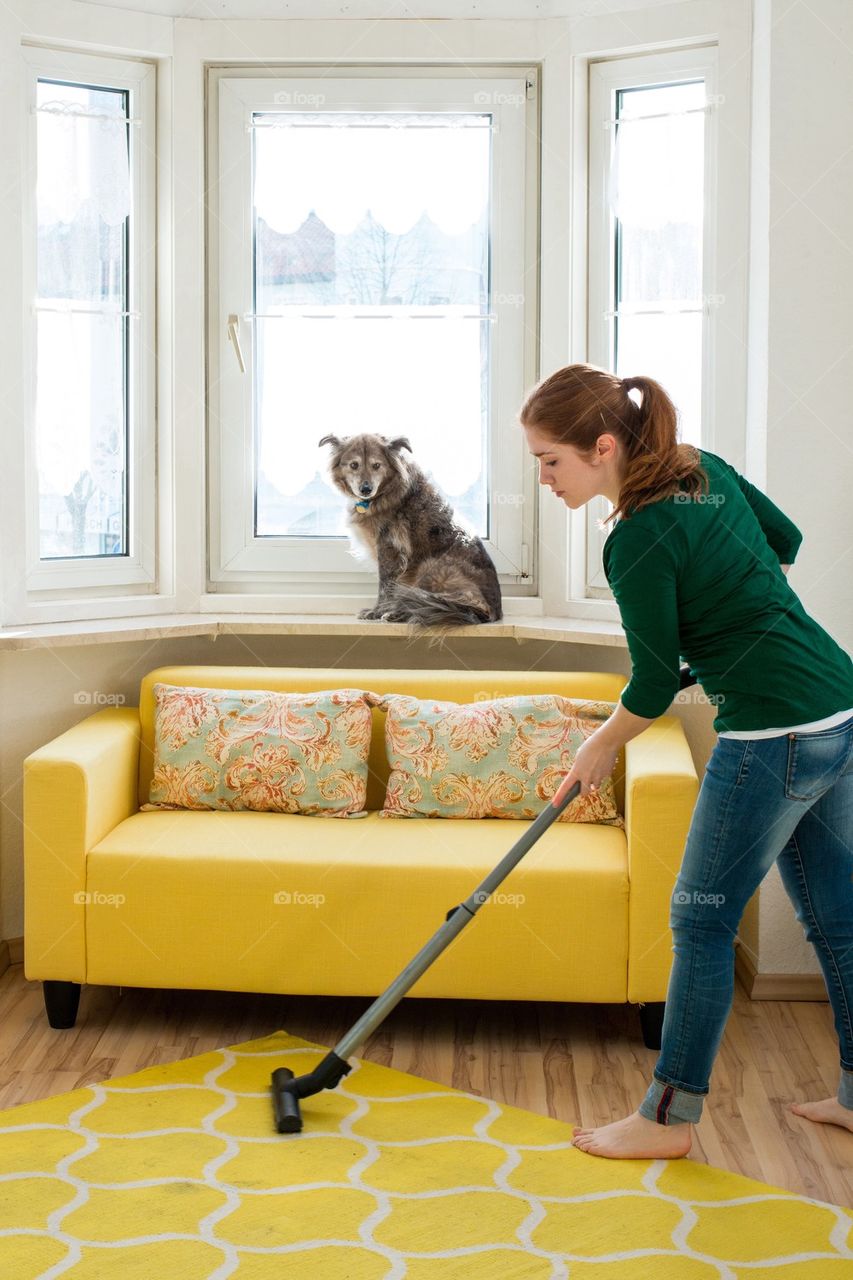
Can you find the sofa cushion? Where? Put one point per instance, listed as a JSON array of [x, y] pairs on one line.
[[495, 758], [261, 750], [271, 902]]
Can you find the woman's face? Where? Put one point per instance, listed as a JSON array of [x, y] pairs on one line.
[[565, 472]]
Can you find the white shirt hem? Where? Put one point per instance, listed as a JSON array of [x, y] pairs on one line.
[[813, 726]]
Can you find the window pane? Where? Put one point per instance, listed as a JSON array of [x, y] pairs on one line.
[[657, 185], [83, 208], [371, 280], [668, 348]]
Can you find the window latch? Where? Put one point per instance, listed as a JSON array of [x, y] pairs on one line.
[[233, 334]]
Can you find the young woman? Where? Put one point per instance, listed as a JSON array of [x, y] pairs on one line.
[[697, 560]]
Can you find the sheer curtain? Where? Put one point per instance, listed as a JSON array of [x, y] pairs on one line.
[[83, 200]]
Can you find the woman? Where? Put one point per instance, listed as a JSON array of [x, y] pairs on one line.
[[697, 561]]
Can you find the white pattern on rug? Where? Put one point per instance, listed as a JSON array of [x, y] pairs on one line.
[[396, 1258]]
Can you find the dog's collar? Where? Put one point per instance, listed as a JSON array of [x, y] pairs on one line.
[[363, 504]]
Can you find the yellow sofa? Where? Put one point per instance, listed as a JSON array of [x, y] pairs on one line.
[[286, 903]]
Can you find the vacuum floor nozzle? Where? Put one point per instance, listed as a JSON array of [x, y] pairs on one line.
[[287, 1089], [288, 1118]]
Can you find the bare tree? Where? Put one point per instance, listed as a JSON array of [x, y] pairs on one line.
[[378, 268], [77, 501]]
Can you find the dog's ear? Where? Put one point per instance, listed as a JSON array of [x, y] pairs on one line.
[[332, 440], [399, 442]]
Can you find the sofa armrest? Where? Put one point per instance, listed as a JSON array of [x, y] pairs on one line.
[[76, 789], [661, 787]]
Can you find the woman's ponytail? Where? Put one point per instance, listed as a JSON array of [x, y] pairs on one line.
[[658, 464]]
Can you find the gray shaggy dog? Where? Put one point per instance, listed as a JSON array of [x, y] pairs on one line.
[[432, 573]]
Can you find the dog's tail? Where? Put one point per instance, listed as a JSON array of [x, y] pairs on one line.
[[425, 609]]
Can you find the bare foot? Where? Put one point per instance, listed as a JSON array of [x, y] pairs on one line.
[[828, 1111], [635, 1138]]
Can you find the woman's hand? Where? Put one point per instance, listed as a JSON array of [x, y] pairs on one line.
[[593, 763]]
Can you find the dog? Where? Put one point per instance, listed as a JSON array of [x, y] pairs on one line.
[[432, 572]]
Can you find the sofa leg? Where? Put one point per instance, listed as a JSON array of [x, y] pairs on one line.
[[61, 1001], [651, 1021]]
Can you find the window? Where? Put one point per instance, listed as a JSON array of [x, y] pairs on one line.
[[652, 194], [370, 242], [89, 346]]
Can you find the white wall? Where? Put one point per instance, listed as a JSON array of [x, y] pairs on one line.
[[810, 390], [810, 403]]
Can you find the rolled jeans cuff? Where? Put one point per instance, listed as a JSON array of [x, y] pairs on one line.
[[667, 1104], [845, 1088]]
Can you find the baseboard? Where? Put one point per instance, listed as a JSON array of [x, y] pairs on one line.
[[11, 952], [777, 986]]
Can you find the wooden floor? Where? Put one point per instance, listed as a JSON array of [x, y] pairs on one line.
[[578, 1063]]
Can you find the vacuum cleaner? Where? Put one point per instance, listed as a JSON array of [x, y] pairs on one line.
[[288, 1090]]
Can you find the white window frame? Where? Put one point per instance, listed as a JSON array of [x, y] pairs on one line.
[[291, 567], [587, 577], [134, 573]]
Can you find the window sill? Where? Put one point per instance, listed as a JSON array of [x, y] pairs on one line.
[[165, 626]]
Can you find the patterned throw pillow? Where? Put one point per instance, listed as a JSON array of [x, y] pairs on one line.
[[254, 749], [502, 758]]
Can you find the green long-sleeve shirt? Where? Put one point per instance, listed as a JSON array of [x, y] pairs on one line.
[[699, 579]]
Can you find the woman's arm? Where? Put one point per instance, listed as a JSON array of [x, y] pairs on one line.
[[641, 567], [779, 530], [596, 759], [641, 572]]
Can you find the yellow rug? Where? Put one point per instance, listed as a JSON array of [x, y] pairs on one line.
[[177, 1172]]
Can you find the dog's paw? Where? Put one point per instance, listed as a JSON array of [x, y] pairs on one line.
[[369, 615]]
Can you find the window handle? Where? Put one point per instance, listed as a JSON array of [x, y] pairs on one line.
[[233, 334]]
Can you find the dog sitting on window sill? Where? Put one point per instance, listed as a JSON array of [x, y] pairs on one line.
[[432, 572]]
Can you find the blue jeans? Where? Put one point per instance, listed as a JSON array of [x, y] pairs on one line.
[[787, 799]]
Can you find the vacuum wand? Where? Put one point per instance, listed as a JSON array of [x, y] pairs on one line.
[[287, 1089]]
